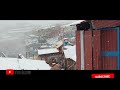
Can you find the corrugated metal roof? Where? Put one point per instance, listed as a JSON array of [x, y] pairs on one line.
[[47, 51]]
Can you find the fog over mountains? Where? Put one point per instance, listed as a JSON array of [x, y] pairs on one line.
[[12, 33]]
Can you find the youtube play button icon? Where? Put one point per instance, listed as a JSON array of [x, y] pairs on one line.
[[9, 72]]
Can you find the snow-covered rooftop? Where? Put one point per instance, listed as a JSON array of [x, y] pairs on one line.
[[70, 52], [58, 44], [47, 51], [34, 65], [45, 46], [19, 64], [74, 23]]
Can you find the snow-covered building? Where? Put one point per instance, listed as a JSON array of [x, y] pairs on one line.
[[45, 54], [70, 57], [74, 23], [47, 51], [22, 64], [70, 52]]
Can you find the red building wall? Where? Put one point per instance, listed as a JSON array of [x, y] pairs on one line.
[[96, 50], [101, 41], [105, 23], [109, 43], [78, 51], [88, 50]]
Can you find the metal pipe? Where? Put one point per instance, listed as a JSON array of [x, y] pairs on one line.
[[82, 49]]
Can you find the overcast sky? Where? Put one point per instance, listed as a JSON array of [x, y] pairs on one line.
[[14, 23], [12, 32], [10, 28]]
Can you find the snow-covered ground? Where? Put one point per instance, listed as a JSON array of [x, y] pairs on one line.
[[20, 64]]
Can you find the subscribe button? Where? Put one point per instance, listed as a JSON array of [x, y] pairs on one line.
[[9, 72], [110, 75]]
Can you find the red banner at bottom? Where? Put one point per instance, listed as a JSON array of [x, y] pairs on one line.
[[111, 75]]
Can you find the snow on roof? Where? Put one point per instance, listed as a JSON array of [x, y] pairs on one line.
[[45, 46], [70, 52], [34, 65], [26, 64], [74, 23], [47, 51], [9, 63], [58, 44]]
